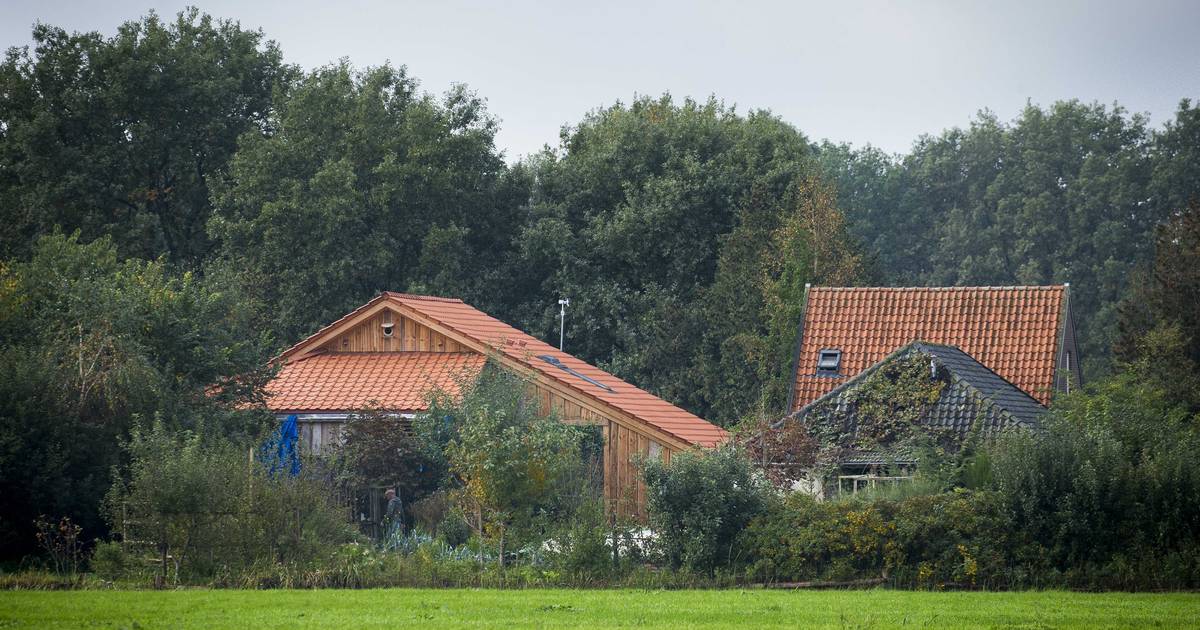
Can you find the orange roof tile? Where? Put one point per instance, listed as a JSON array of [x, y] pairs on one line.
[[458, 317], [1014, 331], [396, 381]]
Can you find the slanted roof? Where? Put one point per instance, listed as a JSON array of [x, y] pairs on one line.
[[485, 333], [1023, 408], [1011, 330], [974, 398], [395, 381]]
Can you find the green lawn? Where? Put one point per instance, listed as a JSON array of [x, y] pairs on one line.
[[400, 608]]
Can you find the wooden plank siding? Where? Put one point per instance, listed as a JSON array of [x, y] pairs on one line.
[[564, 408], [407, 336], [320, 435], [626, 438], [623, 447], [623, 486]]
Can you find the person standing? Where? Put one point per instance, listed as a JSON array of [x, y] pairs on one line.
[[393, 518]]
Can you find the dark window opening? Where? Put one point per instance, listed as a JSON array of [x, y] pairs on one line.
[[829, 362], [559, 364]]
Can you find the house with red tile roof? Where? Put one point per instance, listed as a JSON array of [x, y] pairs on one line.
[[1025, 334], [391, 352], [995, 356]]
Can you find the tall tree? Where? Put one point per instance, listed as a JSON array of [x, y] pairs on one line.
[[365, 184], [90, 342], [1160, 318], [1067, 193], [118, 136], [657, 219]]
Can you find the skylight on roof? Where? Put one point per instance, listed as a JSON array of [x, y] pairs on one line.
[[559, 364], [829, 362]]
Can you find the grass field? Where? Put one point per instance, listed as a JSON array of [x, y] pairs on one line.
[[592, 609]]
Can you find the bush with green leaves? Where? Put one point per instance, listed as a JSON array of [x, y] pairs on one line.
[[510, 468], [380, 450], [89, 342], [699, 502], [958, 538], [1112, 478], [200, 504], [1105, 495]]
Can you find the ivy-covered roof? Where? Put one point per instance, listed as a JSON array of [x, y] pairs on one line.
[[1007, 398], [970, 397]]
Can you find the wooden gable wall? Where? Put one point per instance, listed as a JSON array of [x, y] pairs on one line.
[[407, 336], [624, 443]]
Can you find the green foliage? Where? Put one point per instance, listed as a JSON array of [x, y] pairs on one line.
[[1160, 321], [1111, 479], [364, 184], [678, 230], [583, 544], [195, 502], [887, 405], [959, 538], [111, 562], [509, 465], [378, 450], [87, 343], [699, 503], [1066, 193], [118, 136]]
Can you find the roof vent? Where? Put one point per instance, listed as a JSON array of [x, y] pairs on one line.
[[559, 364], [829, 362]]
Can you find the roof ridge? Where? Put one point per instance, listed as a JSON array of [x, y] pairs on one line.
[[358, 353], [1009, 287], [416, 296]]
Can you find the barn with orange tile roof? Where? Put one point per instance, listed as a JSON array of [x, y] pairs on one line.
[[1026, 334], [392, 351]]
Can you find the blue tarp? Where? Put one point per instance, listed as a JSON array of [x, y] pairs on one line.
[[281, 452]]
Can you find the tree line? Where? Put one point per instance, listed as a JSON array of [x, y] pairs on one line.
[[178, 203]]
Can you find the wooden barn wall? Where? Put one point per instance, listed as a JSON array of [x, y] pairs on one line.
[[407, 336], [623, 487], [319, 435], [566, 410]]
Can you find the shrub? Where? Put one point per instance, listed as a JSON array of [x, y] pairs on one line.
[[511, 467], [1108, 488], [379, 450], [699, 503], [110, 561], [197, 505], [583, 546], [958, 538]]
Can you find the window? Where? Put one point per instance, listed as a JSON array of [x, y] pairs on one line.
[[829, 362]]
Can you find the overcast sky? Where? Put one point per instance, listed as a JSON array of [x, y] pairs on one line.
[[869, 72]]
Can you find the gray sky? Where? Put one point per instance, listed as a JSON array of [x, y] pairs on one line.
[[861, 72]]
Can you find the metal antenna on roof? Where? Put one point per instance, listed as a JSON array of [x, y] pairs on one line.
[[562, 320]]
